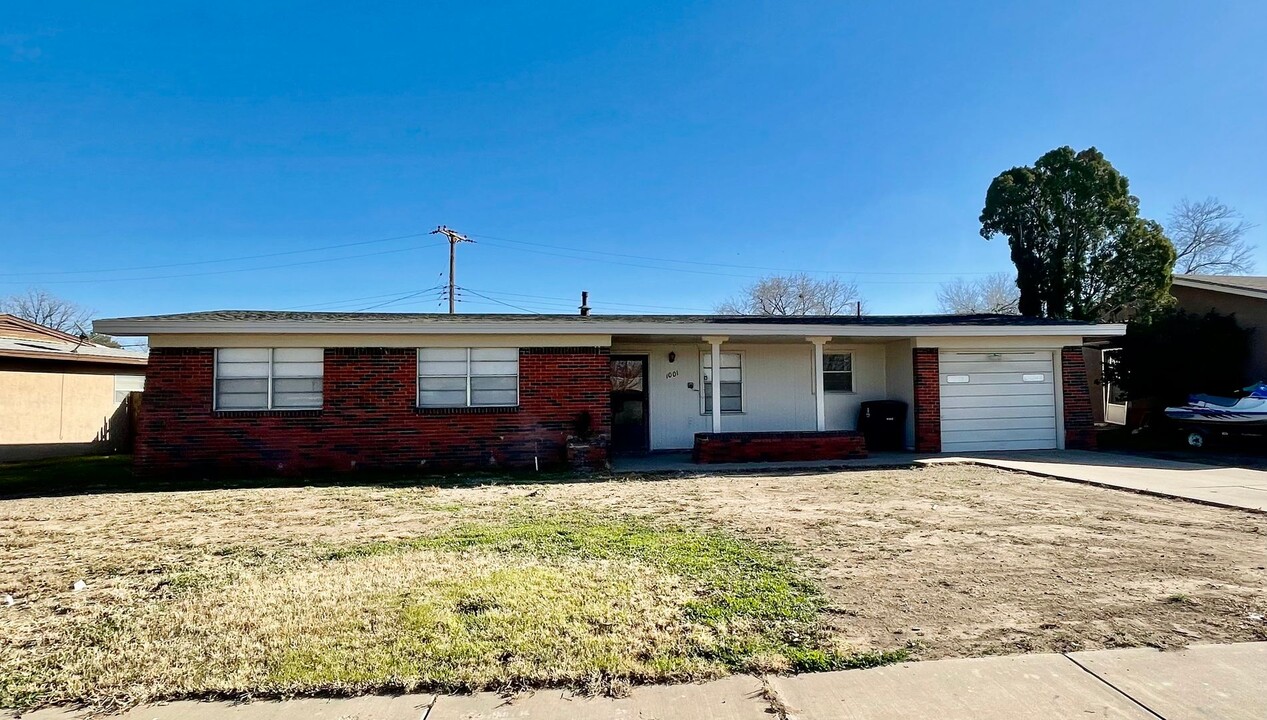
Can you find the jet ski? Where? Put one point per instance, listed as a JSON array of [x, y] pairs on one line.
[[1223, 415]]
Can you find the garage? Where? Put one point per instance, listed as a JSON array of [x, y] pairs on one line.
[[1002, 400]]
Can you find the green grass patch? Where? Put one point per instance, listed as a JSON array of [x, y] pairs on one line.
[[754, 600]]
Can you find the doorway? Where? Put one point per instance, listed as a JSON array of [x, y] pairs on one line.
[[630, 426]]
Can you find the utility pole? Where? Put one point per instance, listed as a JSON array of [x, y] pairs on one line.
[[454, 238]]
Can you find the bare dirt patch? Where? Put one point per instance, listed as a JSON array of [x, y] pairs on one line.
[[946, 561], [964, 561]]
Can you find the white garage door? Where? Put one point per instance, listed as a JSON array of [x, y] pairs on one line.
[[997, 401]]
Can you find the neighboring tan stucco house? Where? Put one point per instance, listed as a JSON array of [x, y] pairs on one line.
[[60, 395], [299, 392], [1241, 295]]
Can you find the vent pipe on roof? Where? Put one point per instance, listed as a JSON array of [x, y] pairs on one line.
[[585, 303]]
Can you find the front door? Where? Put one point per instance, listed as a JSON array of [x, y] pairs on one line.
[[629, 404]]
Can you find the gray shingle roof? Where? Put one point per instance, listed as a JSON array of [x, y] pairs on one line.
[[1235, 282], [280, 316]]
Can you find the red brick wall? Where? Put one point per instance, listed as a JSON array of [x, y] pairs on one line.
[[927, 400], [1079, 426], [368, 419], [731, 447]]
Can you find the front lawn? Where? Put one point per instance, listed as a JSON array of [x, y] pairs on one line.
[[263, 591], [520, 598]]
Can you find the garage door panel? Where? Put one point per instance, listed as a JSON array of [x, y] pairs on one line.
[[985, 446], [1004, 401], [997, 357], [996, 401], [981, 413], [995, 422], [978, 379], [999, 435], [950, 368], [951, 390]]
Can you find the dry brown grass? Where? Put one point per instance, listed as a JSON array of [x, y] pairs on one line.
[[255, 591]]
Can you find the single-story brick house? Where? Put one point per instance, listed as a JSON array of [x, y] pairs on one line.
[[322, 391]]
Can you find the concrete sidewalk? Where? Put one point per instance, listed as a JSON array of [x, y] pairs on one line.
[[1204, 681], [1232, 487]]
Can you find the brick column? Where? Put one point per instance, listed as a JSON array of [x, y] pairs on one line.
[[927, 400], [1079, 427]]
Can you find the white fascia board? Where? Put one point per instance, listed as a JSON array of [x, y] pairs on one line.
[[134, 328], [1217, 287]]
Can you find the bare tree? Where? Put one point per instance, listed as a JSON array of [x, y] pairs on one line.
[[44, 308], [995, 294], [797, 294], [1209, 238]]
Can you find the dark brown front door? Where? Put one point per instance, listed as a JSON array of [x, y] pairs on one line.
[[629, 404]]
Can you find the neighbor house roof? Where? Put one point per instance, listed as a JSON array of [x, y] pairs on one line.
[[31, 341], [1248, 285], [265, 321]]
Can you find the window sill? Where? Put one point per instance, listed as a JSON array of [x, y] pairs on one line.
[[292, 412], [725, 413], [475, 410]]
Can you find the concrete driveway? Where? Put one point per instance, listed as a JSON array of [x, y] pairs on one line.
[[1233, 487]]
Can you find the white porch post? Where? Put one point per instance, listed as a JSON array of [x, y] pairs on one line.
[[820, 404], [715, 411]]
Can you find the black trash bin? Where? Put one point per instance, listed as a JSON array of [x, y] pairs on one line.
[[883, 424]]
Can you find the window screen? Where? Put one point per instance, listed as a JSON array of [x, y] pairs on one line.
[[468, 377], [731, 377], [269, 378]]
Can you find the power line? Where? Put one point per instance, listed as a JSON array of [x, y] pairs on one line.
[[402, 297], [220, 260], [612, 303], [499, 302], [226, 272], [747, 276], [347, 301], [719, 264]]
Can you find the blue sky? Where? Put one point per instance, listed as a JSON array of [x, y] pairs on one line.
[[658, 155]]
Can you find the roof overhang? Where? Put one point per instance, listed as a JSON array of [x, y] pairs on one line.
[[142, 327], [1202, 284], [74, 357]]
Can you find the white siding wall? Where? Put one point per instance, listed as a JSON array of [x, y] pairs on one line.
[[868, 384], [899, 377]]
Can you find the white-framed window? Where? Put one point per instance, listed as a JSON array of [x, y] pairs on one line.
[[731, 377], [838, 372], [269, 378], [468, 377]]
